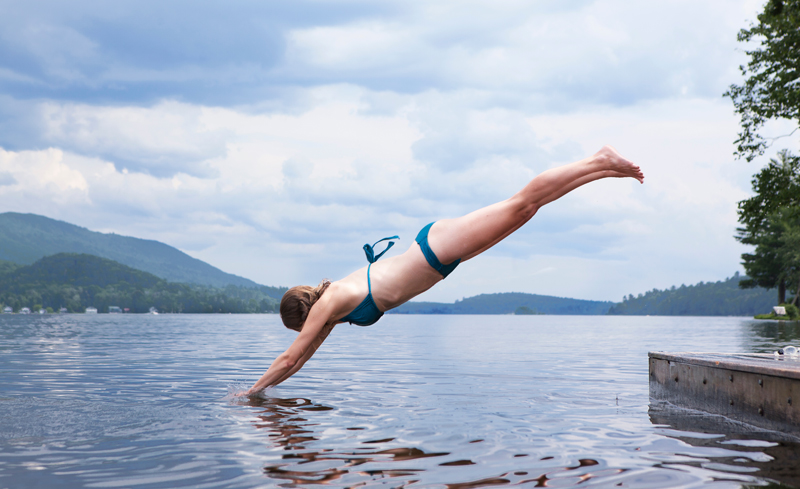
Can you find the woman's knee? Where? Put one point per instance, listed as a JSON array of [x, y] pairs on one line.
[[523, 209]]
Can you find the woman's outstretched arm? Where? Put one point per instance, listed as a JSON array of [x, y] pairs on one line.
[[326, 330], [315, 330]]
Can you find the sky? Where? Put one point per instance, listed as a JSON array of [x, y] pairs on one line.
[[273, 139]]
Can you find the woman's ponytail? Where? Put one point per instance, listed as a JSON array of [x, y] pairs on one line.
[[298, 301]]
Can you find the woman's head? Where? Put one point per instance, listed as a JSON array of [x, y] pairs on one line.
[[297, 301]]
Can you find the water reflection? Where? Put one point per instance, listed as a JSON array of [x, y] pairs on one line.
[[767, 336], [291, 427], [729, 446]]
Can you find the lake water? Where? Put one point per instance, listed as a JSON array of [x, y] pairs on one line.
[[143, 401]]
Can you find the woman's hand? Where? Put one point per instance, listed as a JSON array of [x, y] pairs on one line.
[[246, 393]]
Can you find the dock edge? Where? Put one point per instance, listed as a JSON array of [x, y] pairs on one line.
[[753, 389]]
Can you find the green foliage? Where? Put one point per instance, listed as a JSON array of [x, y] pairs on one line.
[[788, 249], [274, 292], [79, 270], [771, 89], [77, 281], [723, 298], [507, 303], [7, 267], [25, 238], [777, 185], [792, 313], [771, 222]]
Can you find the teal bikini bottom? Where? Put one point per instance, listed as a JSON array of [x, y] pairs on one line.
[[433, 261]]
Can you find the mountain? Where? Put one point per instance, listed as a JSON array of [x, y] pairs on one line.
[[76, 270], [722, 298], [25, 238], [507, 303], [76, 281]]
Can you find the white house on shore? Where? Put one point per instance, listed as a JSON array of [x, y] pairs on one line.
[[91, 310], [24, 310], [8, 310]]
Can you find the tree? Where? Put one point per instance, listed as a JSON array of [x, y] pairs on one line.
[[765, 218], [772, 86], [789, 247]]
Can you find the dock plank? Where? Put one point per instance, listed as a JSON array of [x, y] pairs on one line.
[[758, 389]]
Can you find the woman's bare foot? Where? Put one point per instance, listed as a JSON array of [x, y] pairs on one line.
[[611, 160]]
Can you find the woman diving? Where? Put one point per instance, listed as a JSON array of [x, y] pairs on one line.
[[363, 296]]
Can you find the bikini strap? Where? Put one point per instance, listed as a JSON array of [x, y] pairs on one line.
[[372, 258], [370, 251]]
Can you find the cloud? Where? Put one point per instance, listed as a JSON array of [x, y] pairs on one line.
[[456, 136], [39, 181], [163, 139], [94, 52], [294, 196], [560, 56], [213, 54], [7, 178], [91, 77], [273, 140]]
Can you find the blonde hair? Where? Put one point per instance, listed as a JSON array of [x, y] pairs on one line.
[[297, 301]]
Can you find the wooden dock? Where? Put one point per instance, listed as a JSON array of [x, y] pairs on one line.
[[757, 389]]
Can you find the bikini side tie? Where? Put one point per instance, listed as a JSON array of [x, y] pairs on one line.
[[370, 251]]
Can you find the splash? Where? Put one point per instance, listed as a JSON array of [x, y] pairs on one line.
[[238, 391]]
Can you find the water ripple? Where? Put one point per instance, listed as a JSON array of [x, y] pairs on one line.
[[418, 401]]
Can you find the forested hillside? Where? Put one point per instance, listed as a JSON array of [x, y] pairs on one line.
[[7, 266], [77, 281], [723, 298], [507, 303], [25, 238]]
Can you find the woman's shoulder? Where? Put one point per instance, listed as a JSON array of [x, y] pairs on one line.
[[342, 290], [342, 297]]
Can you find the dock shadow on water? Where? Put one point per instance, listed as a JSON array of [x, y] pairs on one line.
[[290, 425], [730, 446]]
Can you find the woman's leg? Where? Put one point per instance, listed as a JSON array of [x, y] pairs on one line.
[[470, 235]]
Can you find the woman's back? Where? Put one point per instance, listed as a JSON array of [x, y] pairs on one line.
[[392, 281]]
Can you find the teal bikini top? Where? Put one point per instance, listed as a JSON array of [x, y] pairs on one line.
[[367, 313]]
